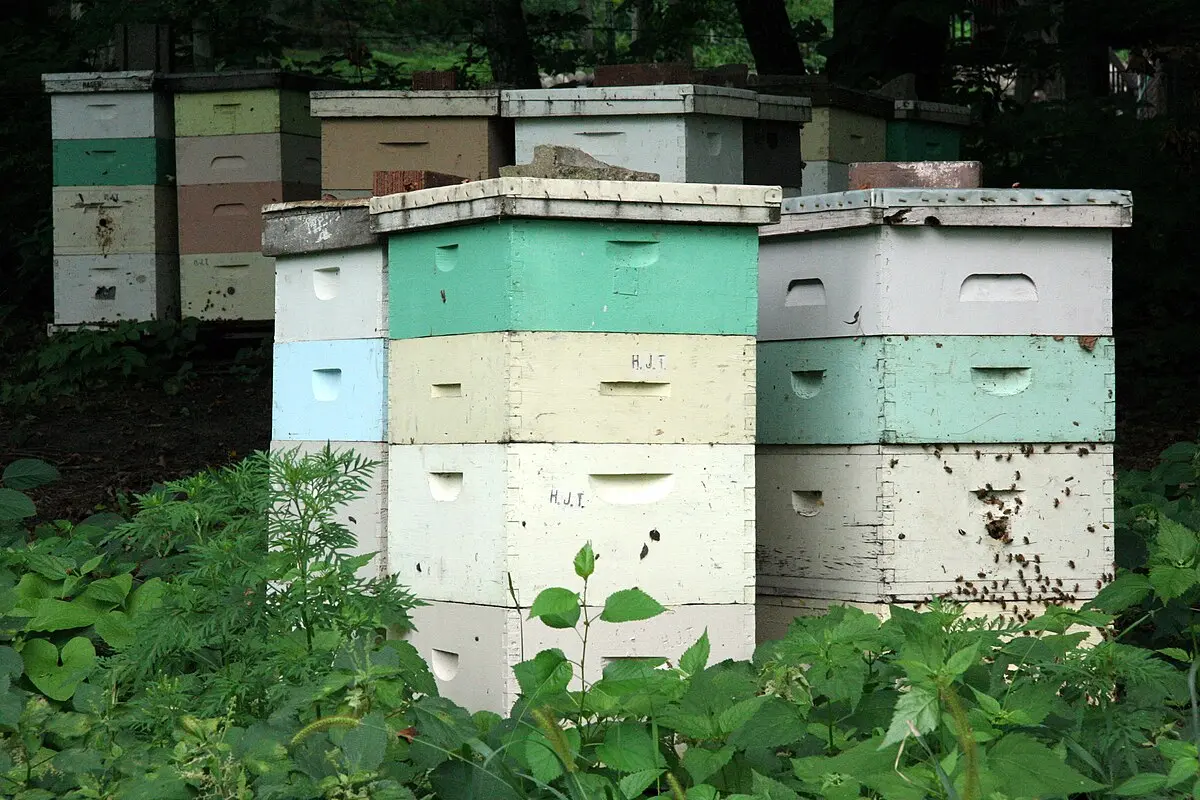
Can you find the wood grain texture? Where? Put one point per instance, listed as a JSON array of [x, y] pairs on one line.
[[875, 281], [572, 387], [317, 226], [475, 515], [561, 275], [472, 649], [877, 523], [917, 389]]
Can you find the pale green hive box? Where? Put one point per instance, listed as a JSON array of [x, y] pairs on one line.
[[561, 255], [244, 102], [936, 389]]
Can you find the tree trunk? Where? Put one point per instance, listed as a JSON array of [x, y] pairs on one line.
[[769, 33], [509, 47]]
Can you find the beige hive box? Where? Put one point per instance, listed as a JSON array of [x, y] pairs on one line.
[[457, 132]]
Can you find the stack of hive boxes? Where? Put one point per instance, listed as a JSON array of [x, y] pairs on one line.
[[935, 400], [455, 132], [245, 140], [330, 354], [924, 131], [115, 240], [847, 127], [685, 133], [571, 361]]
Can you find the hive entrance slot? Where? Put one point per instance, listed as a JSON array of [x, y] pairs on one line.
[[805, 292], [629, 489], [326, 384], [325, 282], [444, 664], [807, 503], [807, 383], [985, 288], [1001, 381], [445, 487], [636, 388], [445, 390]]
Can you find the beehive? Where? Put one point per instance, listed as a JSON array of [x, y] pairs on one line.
[[113, 206], [457, 132], [684, 132], [925, 131]]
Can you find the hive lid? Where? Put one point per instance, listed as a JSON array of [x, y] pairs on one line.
[[602, 201], [76, 82], [1035, 208], [388, 103], [242, 80], [607, 101], [933, 112], [311, 226], [784, 109], [824, 94]]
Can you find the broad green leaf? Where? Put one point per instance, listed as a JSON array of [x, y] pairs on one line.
[[585, 561], [1176, 653], [58, 615], [1128, 590], [701, 763], [1176, 543], [556, 607], [695, 658], [539, 756], [963, 660], [1170, 582], [57, 674], [1020, 760], [115, 629], [146, 597], [1182, 770], [546, 674], [739, 714], [919, 706], [469, 781], [630, 605], [29, 473], [48, 566], [15, 506], [771, 789], [1141, 785], [442, 724], [635, 784], [990, 705], [629, 747], [364, 745], [775, 724], [10, 662], [704, 792], [111, 591]]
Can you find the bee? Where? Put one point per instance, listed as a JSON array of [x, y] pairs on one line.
[[1071, 564], [978, 455], [1091, 528], [1067, 491], [1037, 559], [645, 551], [1005, 584], [1056, 502], [1025, 539], [947, 468], [893, 463], [981, 575], [1018, 474]]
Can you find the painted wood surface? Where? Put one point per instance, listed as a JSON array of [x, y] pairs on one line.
[[317, 226], [919, 140], [471, 649], [227, 217], [774, 615], [920, 389], [844, 136], [680, 149], [771, 154], [90, 289], [227, 286], [113, 162], [248, 158], [558, 275], [876, 523], [353, 149], [337, 294], [109, 220], [228, 113], [366, 103], [679, 518], [881, 280], [111, 115], [364, 516], [330, 390], [608, 101], [823, 177], [572, 387]]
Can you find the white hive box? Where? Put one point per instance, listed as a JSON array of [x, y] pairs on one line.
[[474, 517], [684, 133], [941, 262], [901, 523], [331, 278], [105, 220], [366, 515], [471, 649], [141, 286], [573, 387], [108, 105], [824, 177]]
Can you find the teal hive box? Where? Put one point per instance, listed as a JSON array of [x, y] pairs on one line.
[[563, 255], [923, 131], [936, 389], [114, 162]]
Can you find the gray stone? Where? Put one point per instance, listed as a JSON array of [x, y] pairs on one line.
[[571, 163]]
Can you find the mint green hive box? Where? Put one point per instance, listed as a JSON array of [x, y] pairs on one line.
[[113, 162], [936, 389], [562, 255], [922, 131]]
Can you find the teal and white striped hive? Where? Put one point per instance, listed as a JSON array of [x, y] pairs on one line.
[[936, 399], [114, 207]]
